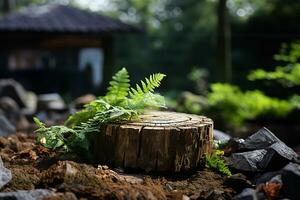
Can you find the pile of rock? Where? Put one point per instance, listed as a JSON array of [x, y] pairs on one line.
[[266, 167], [15, 104], [18, 106]]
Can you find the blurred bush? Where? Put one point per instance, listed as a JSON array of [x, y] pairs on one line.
[[191, 103], [231, 107], [229, 104], [199, 76]]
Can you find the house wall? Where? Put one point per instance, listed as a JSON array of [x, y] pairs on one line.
[[60, 61]]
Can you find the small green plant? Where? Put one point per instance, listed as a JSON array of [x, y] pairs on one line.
[[215, 161], [121, 103]]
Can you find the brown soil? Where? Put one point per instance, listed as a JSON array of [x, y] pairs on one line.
[[34, 167]]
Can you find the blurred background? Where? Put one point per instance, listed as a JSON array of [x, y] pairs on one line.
[[236, 61]]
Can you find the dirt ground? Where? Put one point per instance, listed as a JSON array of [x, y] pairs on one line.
[[33, 167]]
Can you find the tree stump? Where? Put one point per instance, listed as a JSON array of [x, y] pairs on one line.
[[159, 141]]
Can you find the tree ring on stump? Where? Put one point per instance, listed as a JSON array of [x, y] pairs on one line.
[[158, 141]]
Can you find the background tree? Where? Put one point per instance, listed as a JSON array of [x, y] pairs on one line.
[[223, 68]]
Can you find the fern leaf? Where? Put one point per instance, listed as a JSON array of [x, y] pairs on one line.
[[142, 96], [119, 87], [151, 83], [115, 106], [38, 122], [88, 112], [216, 162]]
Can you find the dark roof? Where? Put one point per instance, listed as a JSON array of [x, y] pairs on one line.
[[60, 18]]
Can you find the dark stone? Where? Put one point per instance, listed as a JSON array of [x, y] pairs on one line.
[[274, 176], [51, 102], [82, 100], [11, 88], [250, 194], [13, 113], [263, 150], [6, 128], [221, 136], [5, 175], [291, 180], [247, 161], [37, 194], [276, 179], [259, 140], [7, 104], [232, 146], [238, 182]]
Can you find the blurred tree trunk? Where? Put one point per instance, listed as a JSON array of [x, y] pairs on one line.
[[223, 68], [8, 6]]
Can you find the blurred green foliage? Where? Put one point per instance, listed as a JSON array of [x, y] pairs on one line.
[[287, 75], [230, 105], [234, 106], [190, 103], [200, 77]]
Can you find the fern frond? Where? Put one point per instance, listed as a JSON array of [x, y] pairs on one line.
[[88, 112], [52, 137], [216, 162], [118, 87], [114, 106], [142, 96], [146, 86]]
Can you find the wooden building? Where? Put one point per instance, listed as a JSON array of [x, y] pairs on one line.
[[57, 48]]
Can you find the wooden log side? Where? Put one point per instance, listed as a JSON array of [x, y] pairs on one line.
[[158, 141]]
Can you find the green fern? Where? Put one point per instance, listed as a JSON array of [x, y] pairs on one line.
[[119, 87], [88, 112], [151, 83], [121, 103], [216, 162], [142, 96], [54, 136]]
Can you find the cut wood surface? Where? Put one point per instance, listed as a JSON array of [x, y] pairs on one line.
[[158, 141]]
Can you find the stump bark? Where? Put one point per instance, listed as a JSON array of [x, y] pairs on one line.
[[159, 141]]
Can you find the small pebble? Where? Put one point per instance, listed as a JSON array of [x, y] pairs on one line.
[[184, 197], [169, 187]]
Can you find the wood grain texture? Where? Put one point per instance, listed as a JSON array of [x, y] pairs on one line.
[[158, 141]]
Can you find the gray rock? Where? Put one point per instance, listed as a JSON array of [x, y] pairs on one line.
[[7, 104], [291, 180], [82, 100], [238, 182], [184, 197], [37, 194], [249, 194], [247, 161], [13, 113], [274, 176], [263, 150], [264, 139], [6, 128], [52, 102], [13, 89], [5, 175], [276, 179], [221, 136]]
